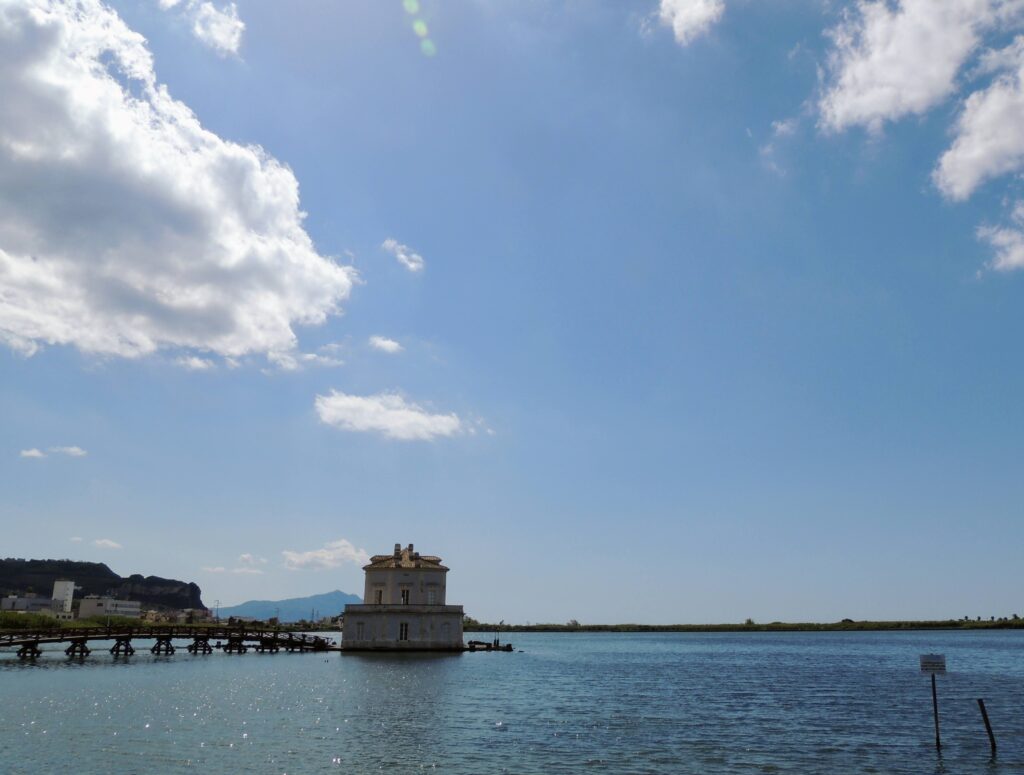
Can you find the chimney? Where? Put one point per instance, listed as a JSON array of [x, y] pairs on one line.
[[398, 550]]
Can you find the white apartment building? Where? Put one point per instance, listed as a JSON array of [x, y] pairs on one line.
[[94, 605], [63, 596]]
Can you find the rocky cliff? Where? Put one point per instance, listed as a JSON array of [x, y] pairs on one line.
[[95, 578]]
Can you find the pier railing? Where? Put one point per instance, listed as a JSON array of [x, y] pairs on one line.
[[233, 638]]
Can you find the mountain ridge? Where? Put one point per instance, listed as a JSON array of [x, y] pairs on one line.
[[293, 609], [18, 576]]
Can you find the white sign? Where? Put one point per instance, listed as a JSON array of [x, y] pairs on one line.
[[933, 663]]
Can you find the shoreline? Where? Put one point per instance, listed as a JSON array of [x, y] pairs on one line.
[[844, 626]]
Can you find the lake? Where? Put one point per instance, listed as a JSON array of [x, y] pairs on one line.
[[567, 703]]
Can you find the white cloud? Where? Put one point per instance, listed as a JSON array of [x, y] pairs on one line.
[[248, 564], [989, 139], [1006, 241], [781, 130], [69, 451], [125, 226], [385, 413], [331, 555], [296, 361], [892, 60], [386, 345], [785, 127], [194, 363], [218, 28], [106, 543], [689, 19], [406, 256]]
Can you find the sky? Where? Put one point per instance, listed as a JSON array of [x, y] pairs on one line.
[[651, 311]]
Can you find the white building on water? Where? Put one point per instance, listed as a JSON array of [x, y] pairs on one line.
[[403, 606]]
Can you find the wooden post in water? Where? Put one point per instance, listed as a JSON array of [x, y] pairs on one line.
[[932, 664], [988, 726]]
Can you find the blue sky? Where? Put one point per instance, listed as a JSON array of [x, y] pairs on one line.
[[665, 312]]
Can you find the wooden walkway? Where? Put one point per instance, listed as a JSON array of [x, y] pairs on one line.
[[202, 640]]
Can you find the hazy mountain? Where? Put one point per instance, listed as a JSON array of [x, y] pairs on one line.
[[293, 609]]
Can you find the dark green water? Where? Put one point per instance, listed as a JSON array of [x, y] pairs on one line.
[[645, 703]]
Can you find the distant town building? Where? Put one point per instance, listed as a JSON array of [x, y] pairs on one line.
[[63, 596], [403, 606], [27, 603], [93, 605]]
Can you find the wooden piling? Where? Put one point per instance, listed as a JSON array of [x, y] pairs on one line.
[[935, 709], [988, 726]]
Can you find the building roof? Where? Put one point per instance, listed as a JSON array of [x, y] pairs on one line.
[[405, 558]]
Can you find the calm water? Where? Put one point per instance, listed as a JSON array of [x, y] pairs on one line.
[[651, 703]]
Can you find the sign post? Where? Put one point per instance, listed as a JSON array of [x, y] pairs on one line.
[[934, 664]]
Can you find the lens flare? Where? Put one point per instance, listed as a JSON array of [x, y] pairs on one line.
[[427, 47]]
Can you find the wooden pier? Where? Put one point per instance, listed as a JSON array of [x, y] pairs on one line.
[[231, 640]]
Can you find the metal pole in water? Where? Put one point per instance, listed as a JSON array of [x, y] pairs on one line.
[[988, 726], [935, 708]]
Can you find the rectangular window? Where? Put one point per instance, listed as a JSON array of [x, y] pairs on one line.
[[403, 631], [405, 597], [431, 596], [380, 596], [360, 631]]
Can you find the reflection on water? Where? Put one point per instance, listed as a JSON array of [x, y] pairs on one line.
[[653, 703]]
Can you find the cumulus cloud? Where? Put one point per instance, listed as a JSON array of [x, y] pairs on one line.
[[106, 543], [1006, 241], [125, 226], [332, 555], [247, 564], [689, 19], [406, 256], [892, 60], [386, 413], [194, 363], [296, 361], [69, 451], [988, 138], [385, 345], [218, 28], [781, 130]]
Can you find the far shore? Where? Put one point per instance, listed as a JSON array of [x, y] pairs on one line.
[[846, 625]]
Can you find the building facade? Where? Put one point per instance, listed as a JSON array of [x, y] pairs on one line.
[[63, 596], [404, 606], [28, 603], [93, 605]]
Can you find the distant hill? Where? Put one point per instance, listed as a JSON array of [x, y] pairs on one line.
[[95, 578], [293, 609]]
